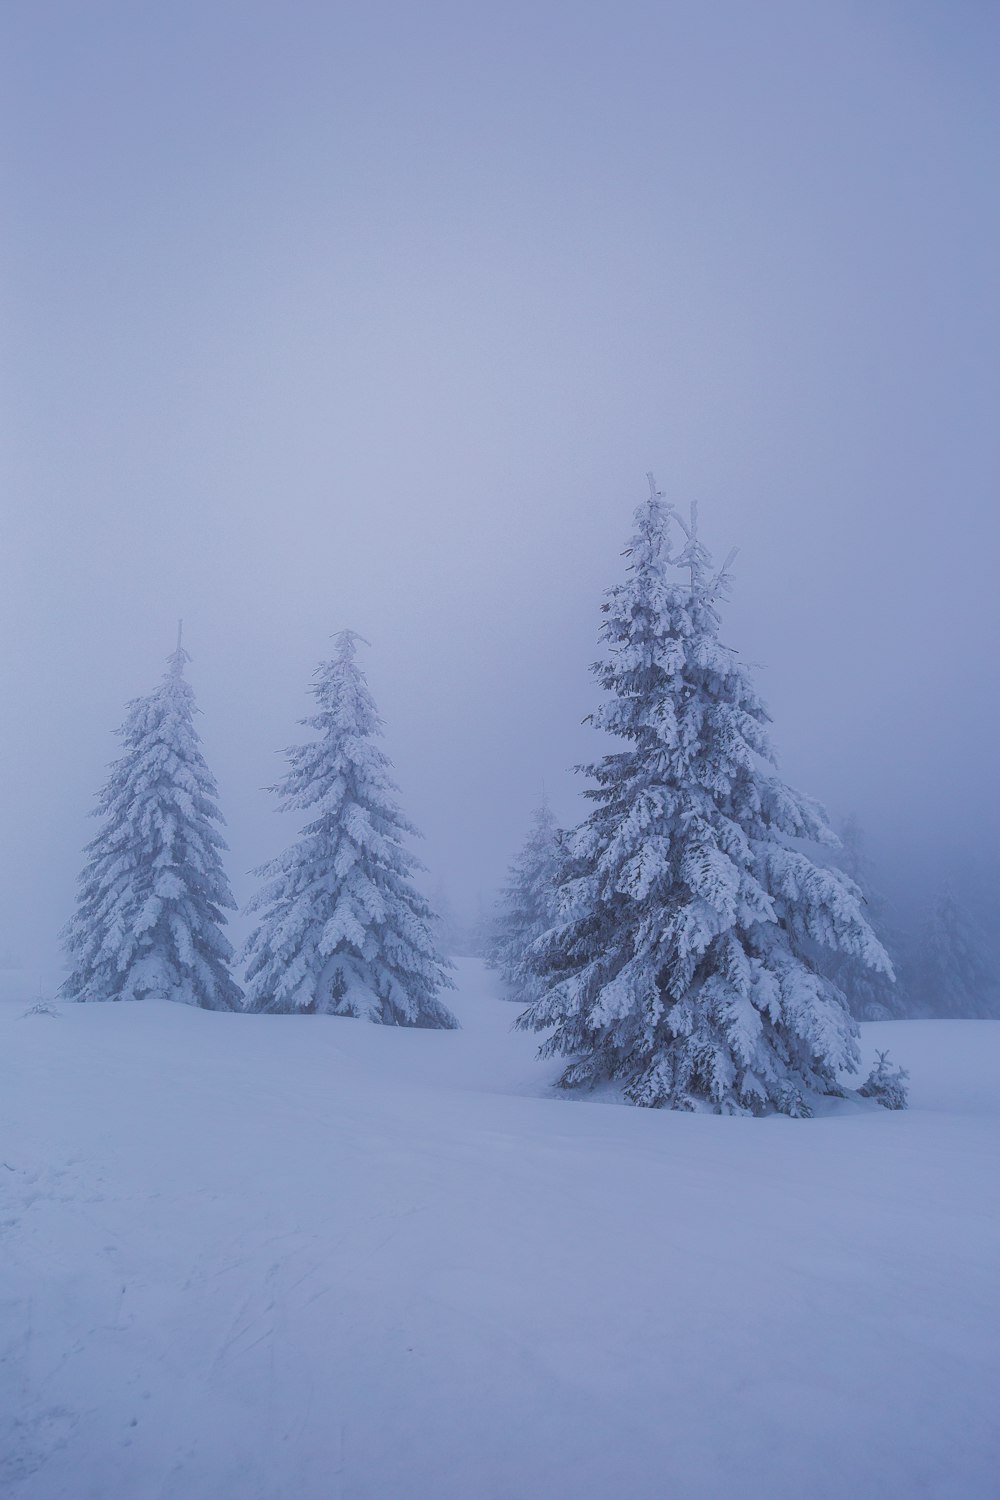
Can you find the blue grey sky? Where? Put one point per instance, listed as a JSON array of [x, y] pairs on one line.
[[325, 315]]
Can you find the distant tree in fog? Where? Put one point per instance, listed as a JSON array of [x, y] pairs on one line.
[[954, 973], [153, 894], [871, 994], [680, 961], [480, 930], [527, 906], [343, 930], [451, 931]]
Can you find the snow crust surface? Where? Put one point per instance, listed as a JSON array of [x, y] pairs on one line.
[[249, 1257]]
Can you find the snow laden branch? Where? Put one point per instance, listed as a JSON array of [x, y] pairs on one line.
[[153, 895], [342, 929], [679, 961]]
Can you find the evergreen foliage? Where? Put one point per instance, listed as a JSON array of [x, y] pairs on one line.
[[153, 894], [342, 929], [885, 1084], [679, 963]]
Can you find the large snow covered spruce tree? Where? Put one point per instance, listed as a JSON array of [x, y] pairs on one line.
[[342, 929], [527, 906], [153, 894], [679, 964]]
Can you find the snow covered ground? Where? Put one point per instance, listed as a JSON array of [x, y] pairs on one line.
[[305, 1258]]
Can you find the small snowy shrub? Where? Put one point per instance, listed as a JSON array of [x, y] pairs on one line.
[[41, 1008], [885, 1084]]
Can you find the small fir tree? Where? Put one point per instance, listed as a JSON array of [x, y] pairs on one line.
[[153, 894], [955, 973], [679, 964], [343, 931], [885, 1084], [527, 906]]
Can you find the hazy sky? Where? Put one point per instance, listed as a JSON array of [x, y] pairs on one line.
[[368, 315]]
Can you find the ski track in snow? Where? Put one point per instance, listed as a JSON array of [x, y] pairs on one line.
[[305, 1258]]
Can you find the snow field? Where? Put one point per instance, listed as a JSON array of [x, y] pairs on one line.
[[305, 1258]]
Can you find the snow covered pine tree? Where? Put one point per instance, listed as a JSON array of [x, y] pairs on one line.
[[678, 965], [527, 906], [343, 930], [152, 898]]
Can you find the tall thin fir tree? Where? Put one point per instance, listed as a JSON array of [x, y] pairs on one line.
[[343, 931], [153, 895], [527, 906], [679, 964]]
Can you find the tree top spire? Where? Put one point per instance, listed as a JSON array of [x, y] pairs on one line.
[[345, 642], [178, 656]]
